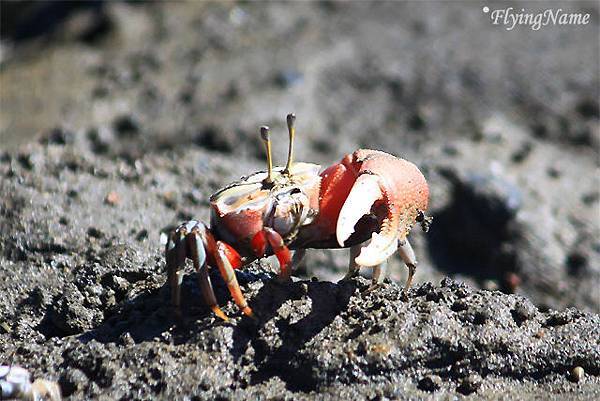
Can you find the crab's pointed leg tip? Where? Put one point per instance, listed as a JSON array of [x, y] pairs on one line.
[[217, 311], [248, 312], [364, 193]]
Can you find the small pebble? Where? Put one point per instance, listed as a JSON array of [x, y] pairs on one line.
[[112, 198], [95, 233], [512, 281], [490, 285], [577, 374], [118, 284], [523, 312], [433, 296], [462, 292], [126, 339], [5, 327], [164, 237], [553, 172]]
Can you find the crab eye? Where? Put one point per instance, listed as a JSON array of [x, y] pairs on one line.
[[295, 191]]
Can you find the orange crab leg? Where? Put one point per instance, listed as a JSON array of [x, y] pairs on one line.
[[194, 241], [227, 272], [231, 254], [198, 256], [259, 244]]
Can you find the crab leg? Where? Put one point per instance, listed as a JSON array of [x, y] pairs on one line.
[[198, 256], [353, 267], [227, 272], [379, 272], [297, 258], [191, 240], [408, 256], [175, 255]]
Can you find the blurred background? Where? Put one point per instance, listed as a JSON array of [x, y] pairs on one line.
[[503, 123]]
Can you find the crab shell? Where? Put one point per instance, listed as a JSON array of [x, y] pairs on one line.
[[291, 201], [368, 195]]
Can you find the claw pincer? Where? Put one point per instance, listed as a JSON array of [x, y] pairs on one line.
[[367, 202], [394, 190]]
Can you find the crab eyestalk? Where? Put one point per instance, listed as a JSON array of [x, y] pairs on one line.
[[291, 119], [264, 134]]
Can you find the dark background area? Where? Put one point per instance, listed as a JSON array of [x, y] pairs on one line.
[[159, 104]]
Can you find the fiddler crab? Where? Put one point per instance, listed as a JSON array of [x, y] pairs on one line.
[[367, 202], [15, 384]]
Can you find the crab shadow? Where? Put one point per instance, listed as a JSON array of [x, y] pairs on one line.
[[149, 315], [299, 311]]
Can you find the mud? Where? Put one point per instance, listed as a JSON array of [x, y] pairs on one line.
[[119, 120]]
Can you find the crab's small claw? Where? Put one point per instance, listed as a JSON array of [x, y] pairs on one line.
[[268, 236], [281, 252]]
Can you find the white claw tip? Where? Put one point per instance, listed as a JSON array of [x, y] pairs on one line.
[[377, 251], [343, 232]]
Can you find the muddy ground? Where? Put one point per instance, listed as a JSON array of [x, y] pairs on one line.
[[119, 120]]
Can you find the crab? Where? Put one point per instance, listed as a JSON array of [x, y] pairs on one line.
[[367, 202], [15, 384]]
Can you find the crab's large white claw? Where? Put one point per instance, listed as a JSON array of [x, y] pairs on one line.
[[365, 191], [381, 247]]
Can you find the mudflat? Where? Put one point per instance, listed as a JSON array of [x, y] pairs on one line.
[[119, 120]]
